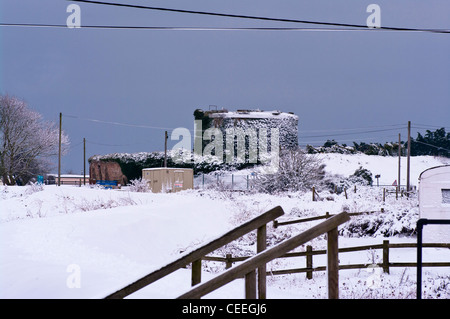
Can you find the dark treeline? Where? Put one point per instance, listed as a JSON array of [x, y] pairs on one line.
[[435, 143]]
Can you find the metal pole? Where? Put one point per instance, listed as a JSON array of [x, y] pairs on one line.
[[420, 223]]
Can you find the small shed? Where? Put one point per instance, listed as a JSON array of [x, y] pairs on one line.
[[169, 179], [434, 202]]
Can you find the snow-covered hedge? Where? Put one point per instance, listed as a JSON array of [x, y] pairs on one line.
[[133, 163]]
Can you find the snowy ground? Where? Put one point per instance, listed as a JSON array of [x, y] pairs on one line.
[[82, 242], [345, 165]]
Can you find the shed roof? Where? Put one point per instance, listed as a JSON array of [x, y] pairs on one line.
[[169, 168]]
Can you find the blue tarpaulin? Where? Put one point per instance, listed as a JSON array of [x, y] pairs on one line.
[[107, 184]]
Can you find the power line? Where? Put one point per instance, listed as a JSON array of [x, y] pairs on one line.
[[124, 27], [438, 147], [160, 28], [426, 126], [355, 133], [117, 123], [260, 18], [399, 126], [113, 145], [303, 142], [71, 147]]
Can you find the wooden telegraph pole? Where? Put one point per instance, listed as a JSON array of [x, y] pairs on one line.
[[165, 149], [84, 161], [399, 161], [59, 152], [408, 160]]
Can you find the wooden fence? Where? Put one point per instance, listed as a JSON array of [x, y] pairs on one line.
[[248, 268], [309, 253], [195, 257], [391, 189]]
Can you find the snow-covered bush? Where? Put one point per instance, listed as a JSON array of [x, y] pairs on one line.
[[337, 183], [296, 171], [34, 187], [86, 205], [363, 173], [139, 185], [385, 224]]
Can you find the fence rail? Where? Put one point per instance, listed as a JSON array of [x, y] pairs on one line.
[[309, 253], [194, 257], [248, 268]]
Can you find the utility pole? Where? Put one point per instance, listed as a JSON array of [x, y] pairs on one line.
[[165, 149], [408, 160], [84, 161], [59, 153], [399, 161]]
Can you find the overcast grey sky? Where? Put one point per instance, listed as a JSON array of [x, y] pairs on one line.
[[331, 80]]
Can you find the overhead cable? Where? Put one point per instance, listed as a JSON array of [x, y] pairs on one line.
[[261, 18]]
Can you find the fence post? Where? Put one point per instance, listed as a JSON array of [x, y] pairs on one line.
[[196, 272], [229, 262], [261, 244], [333, 264], [309, 262], [250, 285], [345, 192], [384, 194], [314, 194], [386, 256]]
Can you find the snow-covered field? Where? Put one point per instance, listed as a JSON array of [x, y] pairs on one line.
[[83, 242]]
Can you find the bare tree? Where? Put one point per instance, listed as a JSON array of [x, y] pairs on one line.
[[27, 142], [296, 171]]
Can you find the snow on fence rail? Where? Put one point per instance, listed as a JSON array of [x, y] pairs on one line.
[[327, 215]]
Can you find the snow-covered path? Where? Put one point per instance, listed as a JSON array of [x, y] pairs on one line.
[[110, 247]]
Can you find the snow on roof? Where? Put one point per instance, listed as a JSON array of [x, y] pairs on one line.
[[441, 168], [252, 114], [163, 168]]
